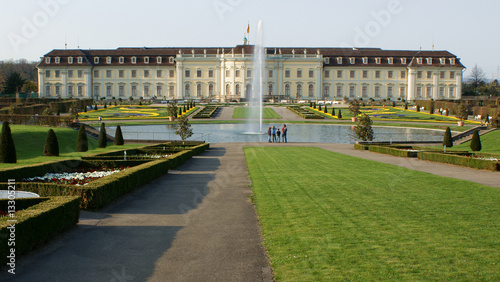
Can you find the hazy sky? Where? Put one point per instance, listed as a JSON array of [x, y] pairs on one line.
[[469, 29]]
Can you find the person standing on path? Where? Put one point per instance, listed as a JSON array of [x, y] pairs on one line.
[[278, 135], [269, 135], [273, 132], [283, 132]]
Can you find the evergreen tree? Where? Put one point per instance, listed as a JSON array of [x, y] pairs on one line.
[[7, 147], [339, 115], [319, 108], [102, 140], [180, 111], [475, 143], [418, 108], [447, 139], [82, 143], [326, 109], [333, 111], [406, 106], [364, 130], [118, 136], [105, 105], [487, 118], [184, 128], [51, 147], [393, 104], [431, 108], [95, 107]]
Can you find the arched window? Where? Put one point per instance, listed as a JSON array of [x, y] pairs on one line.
[[228, 89], [237, 89], [287, 90], [187, 91], [211, 90], [299, 90], [311, 90], [270, 89], [249, 91], [198, 90], [327, 91]]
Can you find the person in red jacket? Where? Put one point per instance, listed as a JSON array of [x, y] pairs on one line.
[[283, 134]]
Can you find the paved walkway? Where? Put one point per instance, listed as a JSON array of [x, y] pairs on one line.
[[194, 224]]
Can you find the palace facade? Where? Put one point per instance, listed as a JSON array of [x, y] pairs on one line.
[[225, 74]]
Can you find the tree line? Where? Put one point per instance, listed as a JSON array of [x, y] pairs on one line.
[[18, 76], [477, 85]]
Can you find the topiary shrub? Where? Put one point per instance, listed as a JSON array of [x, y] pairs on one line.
[[339, 115], [333, 111], [326, 110], [102, 141], [7, 147], [447, 140], [319, 108], [406, 106], [82, 143], [118, 137], [51, 147], [475, 143]]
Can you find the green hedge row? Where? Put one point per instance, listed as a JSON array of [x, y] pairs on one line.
[[37, 223], [305, 113], [362, 147], [102, 191], [398, 152], [206, 112], [466, 161]]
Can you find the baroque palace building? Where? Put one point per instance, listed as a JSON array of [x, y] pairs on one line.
[[225, 74]]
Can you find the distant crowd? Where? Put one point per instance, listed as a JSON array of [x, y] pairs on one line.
[[277, 135]]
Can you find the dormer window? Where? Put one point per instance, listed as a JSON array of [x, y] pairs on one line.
[[429, 61], [70, 60], [339, 60], [134, 60], [108, 60], [80, 60], [377, 61], [158, 60], [452, 61], [390, 61], [352, 60], [442, 61], [58, 60], [419, 61], [365, 60], [171, 60], [47, 60], [96, 60], [327, 60], [121, 60], [403, 61], [146, 60]]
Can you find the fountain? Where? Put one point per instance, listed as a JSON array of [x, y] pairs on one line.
[[255, 99]]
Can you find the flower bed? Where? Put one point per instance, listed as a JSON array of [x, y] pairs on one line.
[[78, 177], [206, 112], [305, 113]]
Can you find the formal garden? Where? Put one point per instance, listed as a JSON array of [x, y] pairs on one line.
[[322, 218]]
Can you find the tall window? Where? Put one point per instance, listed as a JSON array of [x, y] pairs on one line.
[[146, 90], [198, 90], [352, 91], [326, 92], [57, 73], [171, 91], [377, 74], [429, 92], [134, 90], [198, 73], [419, 91], [249, 72], [228, 73], [270, 89], [108, 91], [158, 89], [429, 74], [389, 91], [108, 74], [237, 73], [146, 73], [299, 90], [47, 90], [311, 73], [402, 92], [96, 73], [419, 74], [287, 90], [187, 90], [441, 92], [365, 74], [210, 73], [441, 74], [270, 73], [228, 89], [70, 73], [364, 91], [121, 91], [390, 74], [187, 73], [121, 73], [339, 91], [70, 90], [311, 90], [80, 90], [452, 92], [211, 90], [287, 73], [339, 74], [403, 74], [352, 74], [58, 90], [452, 75], [134, 73], [80, 74], [96, 91], [171, 73], [327, 74], [299, 73], [237, 89], [158, 73]]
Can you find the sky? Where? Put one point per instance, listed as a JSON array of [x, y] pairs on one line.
[[469, 29]]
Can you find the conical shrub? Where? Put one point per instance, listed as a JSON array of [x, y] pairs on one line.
[[7, 147], [326, 110], [51, 147], [475, 143], [82, 143], [102, 141], [118, 136], [339, 115], [447, 140], [333, 111]]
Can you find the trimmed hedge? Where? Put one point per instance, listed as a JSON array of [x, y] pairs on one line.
[[361, 147], [398, 152], [104, 190], [305, 113], [206, 112], [38, 220], [463, 160]]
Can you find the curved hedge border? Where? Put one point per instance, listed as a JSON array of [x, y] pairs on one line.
[[38, 223], [466, 161], [206, 112], [305, 113]]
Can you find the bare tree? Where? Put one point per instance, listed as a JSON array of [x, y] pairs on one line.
[[477, 77]]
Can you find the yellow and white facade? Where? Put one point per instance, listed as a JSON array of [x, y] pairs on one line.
[[225, 74]]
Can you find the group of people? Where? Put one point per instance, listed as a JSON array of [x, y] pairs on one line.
[[275, 135]]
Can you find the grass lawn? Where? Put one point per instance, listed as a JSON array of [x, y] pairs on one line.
[[490, 143], [30, 140], [244, 112], [327, 216]]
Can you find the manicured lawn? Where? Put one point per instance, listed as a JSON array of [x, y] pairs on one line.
[[29, 142], [128, 112], [490, 143], [327, 216], [244, 112]]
